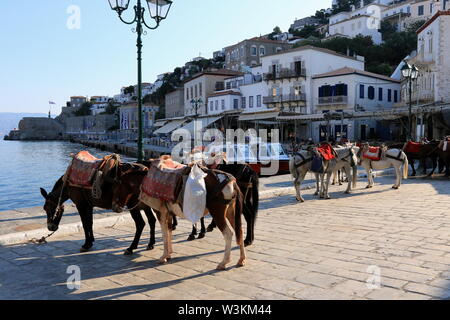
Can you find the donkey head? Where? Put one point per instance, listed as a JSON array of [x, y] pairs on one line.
[[53, 209]]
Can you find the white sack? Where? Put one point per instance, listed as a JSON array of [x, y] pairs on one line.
[[194, 202]]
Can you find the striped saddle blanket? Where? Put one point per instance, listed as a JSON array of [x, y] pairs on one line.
[[372, 153], [82, 170], [412, 147], [163, 181]]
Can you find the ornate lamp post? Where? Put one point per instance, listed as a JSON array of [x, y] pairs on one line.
[[196, 104], [410, 73], [158, 9]]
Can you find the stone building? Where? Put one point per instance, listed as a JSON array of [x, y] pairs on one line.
[[248, 53], [175, 104], [37, 129]]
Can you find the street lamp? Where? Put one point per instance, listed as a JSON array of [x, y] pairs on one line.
[[410, 73], [158, 9], [196, 104]]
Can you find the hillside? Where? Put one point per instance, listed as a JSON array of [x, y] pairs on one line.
[[9, 120]]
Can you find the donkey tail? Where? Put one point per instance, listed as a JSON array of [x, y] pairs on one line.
[[239, 208], [405, 166], [354, 176]]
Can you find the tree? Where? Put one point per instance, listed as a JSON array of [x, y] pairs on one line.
[[85, 110], [276, 31], [129, 90]]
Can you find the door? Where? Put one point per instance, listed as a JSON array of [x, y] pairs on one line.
[[363, 135]]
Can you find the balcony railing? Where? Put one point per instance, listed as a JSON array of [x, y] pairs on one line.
[[285, 74], [323, 101], [284, 98]]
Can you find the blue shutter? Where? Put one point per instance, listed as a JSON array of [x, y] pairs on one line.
[[345, 90], [320, 92], [380, 94], [361, 91]]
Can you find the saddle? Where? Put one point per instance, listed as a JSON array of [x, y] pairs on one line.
[[412, 147], [164, 180], [373, 153], [326, 151], [82, 170]]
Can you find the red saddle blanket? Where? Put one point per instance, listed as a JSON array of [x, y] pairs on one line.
[[326, 151], [82, 169], [163, 184], [413, 147], [372, 153]]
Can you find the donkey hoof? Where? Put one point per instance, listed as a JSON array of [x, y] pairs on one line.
[[247, 243], [174, 228], [201, 235], [150, 247], [221, 266], [348, 192], [210, 229], [85, 248], [191, 237], [241, 263], [395, 187], [128, 252], [163, 260]]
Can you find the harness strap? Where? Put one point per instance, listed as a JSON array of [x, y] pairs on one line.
[[303, 162]]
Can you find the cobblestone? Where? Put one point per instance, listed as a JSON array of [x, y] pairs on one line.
[[320, 249]]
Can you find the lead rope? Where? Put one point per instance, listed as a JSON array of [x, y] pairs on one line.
[[43, 240]]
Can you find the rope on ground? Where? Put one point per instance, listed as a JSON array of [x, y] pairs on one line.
[[42, 240]]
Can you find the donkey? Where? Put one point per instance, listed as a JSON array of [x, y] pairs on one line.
[[427, 150], [299, 165], [225, 206], [392, 158], [346, 160], [248, 181], [85, 203]]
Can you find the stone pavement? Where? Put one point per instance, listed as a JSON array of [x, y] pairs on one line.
[[372, 244]]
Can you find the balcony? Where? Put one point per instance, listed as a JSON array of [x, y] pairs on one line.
[[285, 73], [334, 100], [285, 98]]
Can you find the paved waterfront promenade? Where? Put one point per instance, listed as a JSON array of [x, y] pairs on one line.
[[321, 249]]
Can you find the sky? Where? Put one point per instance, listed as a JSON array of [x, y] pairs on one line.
[[53, 49]]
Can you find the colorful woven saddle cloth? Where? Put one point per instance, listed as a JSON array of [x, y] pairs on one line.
[[164, 180], [372, 153], [412, 147], [327, 152], [82, 169]]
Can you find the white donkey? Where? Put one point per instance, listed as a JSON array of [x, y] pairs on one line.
[[346, 160], [392, 158], [299, 165]]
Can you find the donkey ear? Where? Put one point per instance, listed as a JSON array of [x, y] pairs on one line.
[[44, 193]]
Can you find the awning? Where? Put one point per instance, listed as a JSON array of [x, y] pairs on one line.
[[160, 123], [319, 116], [171, 126], [205, 122], [258, 116]]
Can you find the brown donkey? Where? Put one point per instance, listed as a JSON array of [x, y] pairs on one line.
[[224, 204]]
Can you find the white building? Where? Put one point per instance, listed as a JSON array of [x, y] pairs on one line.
[[433, 61], [129, 116], [351, 90], [99, 104], [365, 21]]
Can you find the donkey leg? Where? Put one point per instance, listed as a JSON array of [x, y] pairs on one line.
[[139, 224], [174, 223], [191, 237], [151, 221], [211, 226], [164, 219], [398, 177], [201, 235], [317, 184], [86, 220], [413, 168], [348, 173], [221, 222], [297, 184], [326, 195]]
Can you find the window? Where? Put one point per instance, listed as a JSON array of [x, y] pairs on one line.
[[258, 101], [236, 104], [250, 102], [430, 46], [340, 90], [223, 104], [395, 96], [187, 93], [244, 102], [200, 88], [361, 91], [371, 93], [380, 94], [254, 51], [389, 95], [196, 91], [228, 85], [211, 106], [431, 7], [262, 50], [192, 92], [216, 104], [420, 13]]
